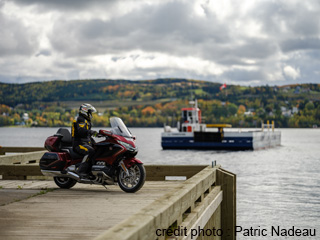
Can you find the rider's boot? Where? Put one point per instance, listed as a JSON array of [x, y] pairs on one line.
[[83, 169]]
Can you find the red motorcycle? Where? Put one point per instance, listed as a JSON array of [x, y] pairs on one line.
[[115, 160]]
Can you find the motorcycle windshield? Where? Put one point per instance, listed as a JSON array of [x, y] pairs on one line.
[[119, 128]]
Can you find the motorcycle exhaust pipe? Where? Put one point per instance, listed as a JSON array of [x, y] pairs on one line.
[[73, 175], [59, 174], [67, 174]]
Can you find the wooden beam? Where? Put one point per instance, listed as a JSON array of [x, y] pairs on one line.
[[154, 172], [204, 208], [19, 172], [25, 158], [4, 150], [163, 212], [159, 172], [227, 180], [205, 216]]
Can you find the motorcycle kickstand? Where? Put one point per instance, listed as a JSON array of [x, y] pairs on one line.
[[105, 187]]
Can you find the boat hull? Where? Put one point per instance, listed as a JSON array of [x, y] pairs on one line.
[[227, 141]]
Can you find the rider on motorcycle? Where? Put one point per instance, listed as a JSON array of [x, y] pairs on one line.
[[81, 137]]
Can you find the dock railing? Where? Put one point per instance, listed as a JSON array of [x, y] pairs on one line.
[[267, 126], [201, 207]]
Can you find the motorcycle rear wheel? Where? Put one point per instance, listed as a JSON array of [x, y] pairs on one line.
[[134, 181], [64, 182]]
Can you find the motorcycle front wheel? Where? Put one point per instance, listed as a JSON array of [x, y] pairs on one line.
[[64, 182], [135, 180]]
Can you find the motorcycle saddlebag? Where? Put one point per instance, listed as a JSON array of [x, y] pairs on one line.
[[52, 143], [53, 161]]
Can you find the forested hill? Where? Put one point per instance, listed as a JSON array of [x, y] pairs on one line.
[[97, 90], [100, 90], [153, 103]]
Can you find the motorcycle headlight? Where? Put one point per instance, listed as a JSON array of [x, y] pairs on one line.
[[127, 146]]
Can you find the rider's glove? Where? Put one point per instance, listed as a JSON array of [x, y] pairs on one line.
[[95, 134]]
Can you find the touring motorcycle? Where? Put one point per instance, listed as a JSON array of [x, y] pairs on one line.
[[115, 161]]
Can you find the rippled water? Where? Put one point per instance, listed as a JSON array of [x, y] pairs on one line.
[[275, 187]]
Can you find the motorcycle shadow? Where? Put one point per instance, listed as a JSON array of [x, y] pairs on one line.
[[113, 189]]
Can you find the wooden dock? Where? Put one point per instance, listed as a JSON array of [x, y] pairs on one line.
[[162, 209]]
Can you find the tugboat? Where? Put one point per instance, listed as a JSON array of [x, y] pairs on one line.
[[191, 133]]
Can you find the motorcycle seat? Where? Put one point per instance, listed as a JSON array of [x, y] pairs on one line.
[[73, 154], [66, 136]]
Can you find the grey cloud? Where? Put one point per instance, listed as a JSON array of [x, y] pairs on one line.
[[65, 64], [285, 18], [66, 5], [15, 37], [241, 75], [256, 49], [308, 63], [300, 44], [173, 29], [44, 52], [167, 28]]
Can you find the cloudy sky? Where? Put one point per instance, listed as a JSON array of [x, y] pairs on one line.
[[245, 42]]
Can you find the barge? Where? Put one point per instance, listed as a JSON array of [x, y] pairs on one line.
[[191, 133]]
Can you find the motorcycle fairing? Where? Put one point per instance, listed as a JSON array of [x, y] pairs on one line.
[[129, 162]]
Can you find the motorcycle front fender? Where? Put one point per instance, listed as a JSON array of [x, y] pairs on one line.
[[129, 162]]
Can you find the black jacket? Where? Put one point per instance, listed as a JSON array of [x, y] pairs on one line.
[[81, 131]]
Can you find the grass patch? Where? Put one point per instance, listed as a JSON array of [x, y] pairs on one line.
[[42, 191]]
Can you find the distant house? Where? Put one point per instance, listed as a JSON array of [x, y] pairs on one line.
[[305, 90], [295, 110], [286, 89], [25, 117], [250, 112], [297, 90], [287, 113], [283, 109]]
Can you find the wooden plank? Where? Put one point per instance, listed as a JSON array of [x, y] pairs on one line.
[[20, 149], [82, 212], [201, 207], [165, 211], [213, 223], [159, 172], [167, 208], [20, 170], [154, 172], [21, 158], [227, 181], [205, 216]]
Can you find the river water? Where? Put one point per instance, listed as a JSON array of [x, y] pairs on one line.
[[275, 187]]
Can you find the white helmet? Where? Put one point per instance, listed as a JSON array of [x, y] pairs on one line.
[[86, 110]]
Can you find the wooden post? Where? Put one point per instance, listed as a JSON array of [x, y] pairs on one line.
[[2, 152], [227, 181], [272, 126]]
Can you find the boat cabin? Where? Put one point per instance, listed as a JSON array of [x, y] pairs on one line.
[[191, 119]]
